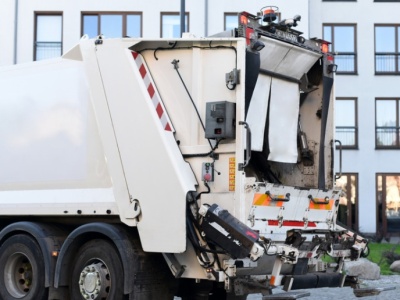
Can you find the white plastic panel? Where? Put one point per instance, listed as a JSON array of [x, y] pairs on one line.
[[283, 121], [257, 114]]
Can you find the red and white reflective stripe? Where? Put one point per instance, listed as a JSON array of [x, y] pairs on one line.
[[155, 98], [291, 223]]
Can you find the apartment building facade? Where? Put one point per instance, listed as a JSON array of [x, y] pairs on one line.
[[366, 38], [365, 35]]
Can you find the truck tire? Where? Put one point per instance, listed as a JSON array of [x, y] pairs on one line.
[[22, 274], [97, 272]]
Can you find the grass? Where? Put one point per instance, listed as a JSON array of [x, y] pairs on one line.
[[376, 252]]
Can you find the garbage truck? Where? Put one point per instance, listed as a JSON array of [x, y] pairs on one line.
[[199, 168]]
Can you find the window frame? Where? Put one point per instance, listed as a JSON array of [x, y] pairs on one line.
[[124, 15], [355, 54], [397, 127], [35, 32], [397, 49], [355, 146], [384, 229], [173, 13], [350, 218], [230, 14]]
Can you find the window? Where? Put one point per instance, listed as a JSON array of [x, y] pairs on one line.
[[343, 39], [387, 48], [388, 203], [112, 25], [48, 36], [171, 25], [387, 123], [346, 122], [348, 202], [230, 21]]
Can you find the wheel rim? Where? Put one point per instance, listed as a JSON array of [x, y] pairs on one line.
[[18, 275], [95, 281]]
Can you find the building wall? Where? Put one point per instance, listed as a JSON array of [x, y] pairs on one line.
[[366, 86], [151, 10]]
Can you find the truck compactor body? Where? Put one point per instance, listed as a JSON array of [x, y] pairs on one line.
[[152, 168]]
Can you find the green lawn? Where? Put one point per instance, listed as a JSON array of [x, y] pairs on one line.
[[375, 255]]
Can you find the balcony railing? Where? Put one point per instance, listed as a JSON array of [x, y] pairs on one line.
[[346, 63], [46, 50], [387, 63], [347, 135], [387, 137]]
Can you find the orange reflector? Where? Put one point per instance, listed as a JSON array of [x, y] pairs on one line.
[[325, 48], [265, 200], [243, 19], [54, 253], [269, 11], [322, 205]]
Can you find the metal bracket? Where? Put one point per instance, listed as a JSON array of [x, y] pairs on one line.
[[134, 209]]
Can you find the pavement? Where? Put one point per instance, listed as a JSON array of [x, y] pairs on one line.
[[347, 292], [392, 281]]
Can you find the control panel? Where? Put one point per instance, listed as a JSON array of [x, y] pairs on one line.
[[220, 120]]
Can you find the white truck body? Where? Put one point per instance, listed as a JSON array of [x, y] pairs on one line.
[[113, 132]]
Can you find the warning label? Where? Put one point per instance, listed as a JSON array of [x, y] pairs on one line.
[[232, 173]]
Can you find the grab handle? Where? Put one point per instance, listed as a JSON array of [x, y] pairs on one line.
[[248, 146]]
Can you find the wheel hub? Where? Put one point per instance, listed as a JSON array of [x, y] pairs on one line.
[[18, 275], [94, 281]]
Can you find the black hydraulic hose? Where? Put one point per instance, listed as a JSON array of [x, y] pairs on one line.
[[203, 154], [193, 238]]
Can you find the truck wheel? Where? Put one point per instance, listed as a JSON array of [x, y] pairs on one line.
[[97, 272], [22, 269]]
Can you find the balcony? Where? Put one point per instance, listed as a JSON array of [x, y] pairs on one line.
[[387, 63], [45, 50], [348, 135], [387, 137]]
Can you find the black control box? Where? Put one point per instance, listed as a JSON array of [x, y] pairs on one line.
[[227, 232]]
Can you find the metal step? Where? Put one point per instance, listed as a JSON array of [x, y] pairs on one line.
[[365, 292], [286, 296]]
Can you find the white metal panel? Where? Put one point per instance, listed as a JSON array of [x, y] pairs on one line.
[[297, 62], [48, 132], [283, 121], [257, 113], [156, 174], [286, 59], [62, 202], [299, 209]]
